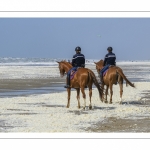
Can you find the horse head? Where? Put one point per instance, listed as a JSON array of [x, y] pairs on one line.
[[99, 65], [64, 67]]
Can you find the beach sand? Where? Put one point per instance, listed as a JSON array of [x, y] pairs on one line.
[[47, 112]]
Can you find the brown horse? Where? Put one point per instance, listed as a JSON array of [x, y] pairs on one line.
[[112, 76], [83, 77]]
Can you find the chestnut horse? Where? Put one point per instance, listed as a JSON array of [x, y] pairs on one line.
[[82, 78], [112, 76]]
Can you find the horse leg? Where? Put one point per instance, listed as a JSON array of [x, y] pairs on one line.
[[121, 90], [84, 97], [90, 95], [69, 93], [103, 99], [111, 93], [107, 86], [78, 96]]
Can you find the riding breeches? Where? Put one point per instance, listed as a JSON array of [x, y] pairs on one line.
[[104, 69]]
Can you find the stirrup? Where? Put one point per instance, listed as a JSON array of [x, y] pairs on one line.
[[101, 82], [67, 86]]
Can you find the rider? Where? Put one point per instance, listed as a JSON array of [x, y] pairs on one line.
[[110, 59], [78, 60]]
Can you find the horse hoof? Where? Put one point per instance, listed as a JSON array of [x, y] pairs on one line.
[[83, 108], [110, 102], [106, 102], [90, 107]]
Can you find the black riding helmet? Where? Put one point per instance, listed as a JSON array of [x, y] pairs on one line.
[[110, 48], [77, 48]]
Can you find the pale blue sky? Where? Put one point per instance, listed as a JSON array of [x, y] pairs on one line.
[[58, 37]]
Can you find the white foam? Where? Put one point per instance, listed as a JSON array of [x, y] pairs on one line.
[[25, 72]]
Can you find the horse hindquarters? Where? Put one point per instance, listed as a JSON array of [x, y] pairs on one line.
[[85, 79], [116, 77], [110, 79], [79, 82]]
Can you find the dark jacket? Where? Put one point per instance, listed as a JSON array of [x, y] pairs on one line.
[[110, 59], [78, 60]]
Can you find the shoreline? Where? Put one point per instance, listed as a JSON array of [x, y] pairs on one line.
[[26, 87], [21, 84]]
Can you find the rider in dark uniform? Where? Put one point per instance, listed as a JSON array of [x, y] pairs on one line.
[[78, 60], [110, 59]]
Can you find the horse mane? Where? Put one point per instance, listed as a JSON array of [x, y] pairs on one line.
[[67, 63], [100, 61]]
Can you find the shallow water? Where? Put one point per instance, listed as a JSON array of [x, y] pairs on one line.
[[54, 88], [134, 72]]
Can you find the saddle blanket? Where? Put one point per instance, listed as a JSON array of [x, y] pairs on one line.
[[72, 74], [105, 72]]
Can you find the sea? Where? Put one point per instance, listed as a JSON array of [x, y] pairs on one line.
[[13, 61], [10, 61], [14, 68]]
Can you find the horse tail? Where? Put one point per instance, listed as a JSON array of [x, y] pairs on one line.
[[93, 77], [119, 71]]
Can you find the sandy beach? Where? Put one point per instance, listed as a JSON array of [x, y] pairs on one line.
[[46, 112]]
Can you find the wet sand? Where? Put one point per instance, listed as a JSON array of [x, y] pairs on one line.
[[113, 124], [26, 87], [20, 84]]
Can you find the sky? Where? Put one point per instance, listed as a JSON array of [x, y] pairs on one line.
[[58, 37]]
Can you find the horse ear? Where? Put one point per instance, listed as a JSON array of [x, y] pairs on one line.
[[95, 62], [57, 61]]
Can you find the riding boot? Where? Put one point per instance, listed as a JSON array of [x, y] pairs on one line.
[[68, 83], [101, 79]]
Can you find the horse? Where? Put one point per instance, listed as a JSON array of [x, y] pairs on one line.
[[82, 78], [112, 76]]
